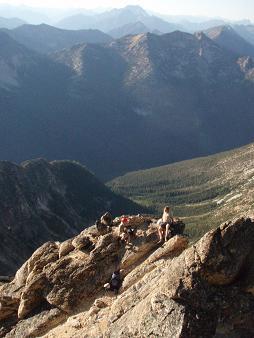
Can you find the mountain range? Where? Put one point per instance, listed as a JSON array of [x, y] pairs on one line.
[[178, 95], [11, 23], [28, 14], [116, 20], [43, 201], [45, 38], [139, 99]]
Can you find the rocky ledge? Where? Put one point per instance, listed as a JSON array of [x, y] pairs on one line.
[[205, 290]]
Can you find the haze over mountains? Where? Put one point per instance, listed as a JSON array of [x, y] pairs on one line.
[[113, 19], [178, 95], [45, 39], [28, 14], [116, 19], [11, 23], [246, 31]]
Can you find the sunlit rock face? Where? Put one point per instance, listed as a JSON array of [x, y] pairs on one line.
[[167, 290]]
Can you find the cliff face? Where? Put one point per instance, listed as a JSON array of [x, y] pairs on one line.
[[43, 201], [168, 291]]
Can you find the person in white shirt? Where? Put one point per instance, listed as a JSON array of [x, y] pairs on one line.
[[164, 224]]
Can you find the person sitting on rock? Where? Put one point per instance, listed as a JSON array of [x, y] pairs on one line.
[[105, 222], [124, 221], [106, 219], [115, 282], [127, 235], [165, 224]]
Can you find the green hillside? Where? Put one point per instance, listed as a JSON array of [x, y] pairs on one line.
[[205, 191]]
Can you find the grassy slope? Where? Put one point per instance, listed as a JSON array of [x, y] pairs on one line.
[[204, 191]]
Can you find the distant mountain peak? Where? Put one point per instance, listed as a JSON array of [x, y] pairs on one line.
[[116, 19], [136, 10], [227, 37], [215, 32], [11, 23]]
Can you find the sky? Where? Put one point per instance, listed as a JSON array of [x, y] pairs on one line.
[[230, 9]]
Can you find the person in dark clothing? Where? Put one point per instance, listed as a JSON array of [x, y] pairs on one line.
[[115, 282], [105, 223], [127, 234], [106, 219]]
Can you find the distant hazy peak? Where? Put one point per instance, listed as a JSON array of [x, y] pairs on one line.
[[11, 23], [227, 37], [41, 26], [215, 32], [137, 10]]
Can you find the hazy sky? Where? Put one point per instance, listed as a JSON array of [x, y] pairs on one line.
[[232, 9]]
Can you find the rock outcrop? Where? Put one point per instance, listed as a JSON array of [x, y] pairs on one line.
[[205, 290]]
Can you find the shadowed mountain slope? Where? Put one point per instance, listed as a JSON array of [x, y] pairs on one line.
[[43, 201], [246, 31], [227, 37], [177, 95]]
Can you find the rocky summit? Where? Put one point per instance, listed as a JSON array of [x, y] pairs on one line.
[[169, 290]]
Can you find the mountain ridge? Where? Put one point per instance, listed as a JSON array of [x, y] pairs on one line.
[[47, 39], [137, 90], [228, 38], [116, 18], [11, 23]]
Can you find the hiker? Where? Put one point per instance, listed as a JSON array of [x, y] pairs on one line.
[[104, 223], [165, 224], [115, 282], [106, 219], [127, 235], [124, 221]]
